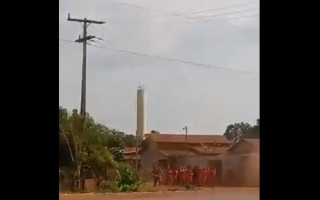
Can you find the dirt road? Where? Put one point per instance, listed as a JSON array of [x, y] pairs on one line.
[[207, 194]]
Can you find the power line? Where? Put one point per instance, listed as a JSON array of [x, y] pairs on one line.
[[184, 15], [194, 18], [245, 27], [227, 7], [240, 17], [152, 9], [227, 19], [222, 14], [64, 40], [169, 59]]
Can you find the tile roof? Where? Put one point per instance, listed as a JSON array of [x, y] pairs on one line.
[[130, 150], [130, 157], [210, 150], [191, 138], [177, 152]]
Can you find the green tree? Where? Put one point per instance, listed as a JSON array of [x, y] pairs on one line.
[[101, 162], [129, 140], [253, 132], [73, 128], [65, 150], [237, 131], [83, 142]]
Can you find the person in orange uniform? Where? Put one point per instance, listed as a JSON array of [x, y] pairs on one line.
[[179, 176], [159, 176], [156, 176], [175, 177], [155, 179], [167, 180], [205, 176], [201, 177], [184, 175], [195, 176], [170, 177], [210, 176], [214, 182]]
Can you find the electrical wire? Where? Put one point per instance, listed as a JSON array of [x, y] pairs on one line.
[[167, 59], [222, 14], [223, 8], [226, 19], [198, 19]]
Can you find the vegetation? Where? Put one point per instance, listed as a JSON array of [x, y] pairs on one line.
[[90, 150], [238, 131], [128, 180]]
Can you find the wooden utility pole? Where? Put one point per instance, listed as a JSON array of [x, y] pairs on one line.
[[86, 22]]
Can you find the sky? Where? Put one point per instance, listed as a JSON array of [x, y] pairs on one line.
[[212, 35]]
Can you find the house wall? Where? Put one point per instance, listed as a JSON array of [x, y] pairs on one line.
[[148, 157], [200, 160], [245, 168]]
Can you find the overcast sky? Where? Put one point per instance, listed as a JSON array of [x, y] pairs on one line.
[[216, 33]]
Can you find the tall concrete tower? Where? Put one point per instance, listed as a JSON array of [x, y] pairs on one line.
[[141, 113]]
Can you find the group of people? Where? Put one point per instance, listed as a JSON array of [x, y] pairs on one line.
[[198, 176]]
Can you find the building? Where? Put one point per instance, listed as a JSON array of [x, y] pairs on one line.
[[176, 150], [130, 156], [241, 163]]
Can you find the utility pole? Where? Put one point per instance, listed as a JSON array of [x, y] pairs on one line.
[[86, 22], [186, 133]]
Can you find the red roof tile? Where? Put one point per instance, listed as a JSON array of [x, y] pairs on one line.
[[130, 150], [176, 152], [130, 157]]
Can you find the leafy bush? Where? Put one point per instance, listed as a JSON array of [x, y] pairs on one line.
[[128, 180]]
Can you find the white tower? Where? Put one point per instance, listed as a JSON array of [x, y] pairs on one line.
[[141, 113]]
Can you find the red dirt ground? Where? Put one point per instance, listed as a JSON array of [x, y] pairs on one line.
[[203, 194]]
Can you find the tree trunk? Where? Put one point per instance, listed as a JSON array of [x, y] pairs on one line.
[[77, 176]]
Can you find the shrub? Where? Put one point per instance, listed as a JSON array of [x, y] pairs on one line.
[[128, 179]]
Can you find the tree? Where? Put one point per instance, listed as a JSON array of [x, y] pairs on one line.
[[155, 132], [114, 141], [73, 128], [237, 131], [85, 143], [117, 153], [65, 151], [101, 162], [253, 132], [130, 140], [77, 125]]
